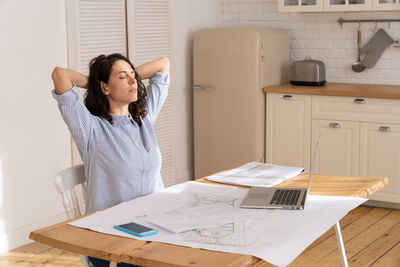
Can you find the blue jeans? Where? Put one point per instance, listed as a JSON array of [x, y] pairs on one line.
[[103, 263]]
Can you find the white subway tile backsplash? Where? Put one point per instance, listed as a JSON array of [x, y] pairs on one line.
[[252, 16], [231, 17], [319, 36], [344, 44], [298, 44], [304, 34], [333, 53], [382, 64], [332, 35], [388, 74], [318, 44], [328, 16], [305, 17], [394, 64], [301, 54], [286, 24], [318, 26]]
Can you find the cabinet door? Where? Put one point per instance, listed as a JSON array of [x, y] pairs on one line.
[[338, 151], [300, 5], [288, 129], [347, 5], [388, 5], [380, 156]]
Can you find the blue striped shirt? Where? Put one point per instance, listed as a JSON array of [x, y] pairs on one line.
[[122, 160]]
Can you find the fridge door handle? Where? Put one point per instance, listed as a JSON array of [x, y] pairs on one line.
[[202, 87]]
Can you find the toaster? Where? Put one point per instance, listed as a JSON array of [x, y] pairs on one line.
[[308, 72]]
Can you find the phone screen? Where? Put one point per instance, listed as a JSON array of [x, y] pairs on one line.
[[136, 229]]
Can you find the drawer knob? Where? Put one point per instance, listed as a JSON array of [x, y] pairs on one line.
[[359, 101], [288, 97], [384, 129], [334, 125]]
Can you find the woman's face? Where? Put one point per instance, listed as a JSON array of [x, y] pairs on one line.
[[121, 88]]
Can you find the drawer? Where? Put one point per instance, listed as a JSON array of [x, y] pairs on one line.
[[362, 109]]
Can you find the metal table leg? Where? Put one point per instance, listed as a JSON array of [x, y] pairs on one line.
[[113, 264], [340, 243]]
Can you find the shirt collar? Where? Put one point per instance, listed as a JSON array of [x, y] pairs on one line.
[[118, 119]]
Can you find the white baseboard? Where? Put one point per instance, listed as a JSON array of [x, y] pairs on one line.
[[19, 237]]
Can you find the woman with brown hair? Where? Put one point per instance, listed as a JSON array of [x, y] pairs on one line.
[[114, 127]]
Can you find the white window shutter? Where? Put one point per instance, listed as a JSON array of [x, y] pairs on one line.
[[94, 28], [149, 37]]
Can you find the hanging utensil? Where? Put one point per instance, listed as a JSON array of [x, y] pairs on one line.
[[358, 66]]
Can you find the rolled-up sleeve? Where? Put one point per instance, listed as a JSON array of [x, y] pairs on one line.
[[157, 92], [77, 117]]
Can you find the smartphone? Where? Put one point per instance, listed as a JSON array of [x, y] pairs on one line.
[[136, 229]]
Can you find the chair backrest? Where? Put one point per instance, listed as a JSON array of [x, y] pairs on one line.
[[67, 181]]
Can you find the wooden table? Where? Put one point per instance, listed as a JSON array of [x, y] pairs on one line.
[[121, 249]]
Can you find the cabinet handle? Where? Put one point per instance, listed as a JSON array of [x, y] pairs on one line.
[[288, 97], [359, 101], [384, 129], [201, 87], [334, 125]]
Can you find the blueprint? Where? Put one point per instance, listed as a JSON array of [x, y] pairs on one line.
[[230, 234], [205, 210], [207, 216], [256, 174]]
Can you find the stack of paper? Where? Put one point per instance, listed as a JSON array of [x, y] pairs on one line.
[[256, 174]]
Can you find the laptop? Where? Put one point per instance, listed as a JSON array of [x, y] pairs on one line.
[[280, 198]]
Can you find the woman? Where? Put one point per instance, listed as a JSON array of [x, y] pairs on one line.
[[114, 128]]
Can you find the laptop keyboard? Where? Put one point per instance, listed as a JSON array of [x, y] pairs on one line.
[[285, 197]]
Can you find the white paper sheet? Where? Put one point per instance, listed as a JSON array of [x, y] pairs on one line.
[[277, 236], [256, 174]]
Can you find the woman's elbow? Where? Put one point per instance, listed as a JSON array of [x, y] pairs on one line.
[[57, 73], [61, 80], [165, 64]]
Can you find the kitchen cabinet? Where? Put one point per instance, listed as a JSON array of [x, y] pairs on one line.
[[300, 6], [288, 126], [360, 136], [347, 5], [380, 156], [386, 5], [337, 5], [338, 152]]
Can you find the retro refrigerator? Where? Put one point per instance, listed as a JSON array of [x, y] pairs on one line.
[[231, 66]]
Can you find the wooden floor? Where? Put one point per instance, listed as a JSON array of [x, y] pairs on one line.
[[371, 236]]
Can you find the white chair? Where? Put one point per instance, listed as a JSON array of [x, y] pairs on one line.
[[67, 181]]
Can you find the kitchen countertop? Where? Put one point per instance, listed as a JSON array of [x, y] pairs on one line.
[[339, 89]]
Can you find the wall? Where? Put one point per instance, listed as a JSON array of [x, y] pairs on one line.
[[188, 17], [319, 36], [34, 142]]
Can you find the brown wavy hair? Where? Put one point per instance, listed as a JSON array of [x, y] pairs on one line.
[[95, 100]]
